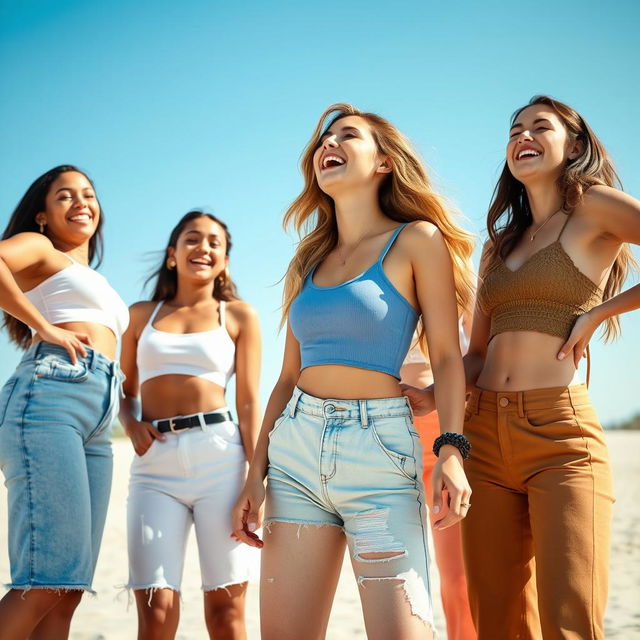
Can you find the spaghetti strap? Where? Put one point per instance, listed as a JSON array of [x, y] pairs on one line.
[[152, 317], [392, 239], [564, 226]]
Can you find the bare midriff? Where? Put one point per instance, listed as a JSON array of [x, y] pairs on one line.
[[524, 360], [101, 338], [347, 383], [179, 395]]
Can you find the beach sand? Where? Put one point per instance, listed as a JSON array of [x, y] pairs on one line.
[[107, 617]]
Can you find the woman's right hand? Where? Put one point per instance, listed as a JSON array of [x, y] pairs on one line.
[[422, 400], [142, 435], [72, 341], [246, 515]]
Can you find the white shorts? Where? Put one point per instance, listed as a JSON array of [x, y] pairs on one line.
[[195, 476]]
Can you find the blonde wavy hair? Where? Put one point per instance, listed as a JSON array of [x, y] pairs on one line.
[[406, 194]]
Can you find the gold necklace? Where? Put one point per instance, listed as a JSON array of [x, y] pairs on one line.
[[532, 236], [343, 259]]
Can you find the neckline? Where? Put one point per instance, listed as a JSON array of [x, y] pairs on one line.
[[221, 320], [378, 261], [567, 256]]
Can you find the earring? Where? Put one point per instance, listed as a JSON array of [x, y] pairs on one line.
[[171, 263], [41, 225]]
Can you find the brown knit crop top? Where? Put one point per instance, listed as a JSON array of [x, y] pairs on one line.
[[546, 293]]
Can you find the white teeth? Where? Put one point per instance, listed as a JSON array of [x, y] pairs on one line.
[[330, 158], [528, 152], [79, 217]]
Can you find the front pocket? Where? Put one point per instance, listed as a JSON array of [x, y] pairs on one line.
[[394, 436], [54, 368], [279, 420], [541, 418]]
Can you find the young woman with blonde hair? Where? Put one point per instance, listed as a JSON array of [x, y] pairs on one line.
[[537, 538], [57, 408], [338, 446], [180, 351]]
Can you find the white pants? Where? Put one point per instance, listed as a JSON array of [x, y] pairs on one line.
[[195, 476]]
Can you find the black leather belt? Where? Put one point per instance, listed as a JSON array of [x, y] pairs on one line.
[[189, 422]]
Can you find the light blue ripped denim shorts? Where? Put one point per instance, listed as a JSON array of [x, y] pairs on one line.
[[355, 464], [55, 454]]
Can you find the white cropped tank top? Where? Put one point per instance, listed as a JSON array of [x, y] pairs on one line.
[[77, 293], [415, 355], [205, 354]]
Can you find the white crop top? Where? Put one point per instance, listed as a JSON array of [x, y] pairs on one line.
[[415, 355], [205, 354], [79, 294]]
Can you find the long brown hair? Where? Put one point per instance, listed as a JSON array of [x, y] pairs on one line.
[[166, 280], [405, 195], [23, 219], [510, 213]]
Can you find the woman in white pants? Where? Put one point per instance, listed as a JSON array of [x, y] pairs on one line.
[[178, 355]]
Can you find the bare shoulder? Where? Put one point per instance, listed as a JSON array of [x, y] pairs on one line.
[[140, 312], [30, 241], [418, 235], [599, 199], [242, 311]]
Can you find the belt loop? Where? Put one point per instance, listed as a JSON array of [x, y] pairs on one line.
[[92, 357], [203, 425], [364, 418], [293, 403], [520, 404]]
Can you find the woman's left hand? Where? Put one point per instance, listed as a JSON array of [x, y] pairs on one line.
[[448, 474], [579, 337]]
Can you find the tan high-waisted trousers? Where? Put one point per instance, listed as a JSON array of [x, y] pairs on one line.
[[536, 538]]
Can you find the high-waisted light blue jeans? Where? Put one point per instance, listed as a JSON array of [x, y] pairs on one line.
[[55, 454], [355, 464]]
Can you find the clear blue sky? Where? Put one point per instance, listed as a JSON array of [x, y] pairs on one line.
[[170, 106]]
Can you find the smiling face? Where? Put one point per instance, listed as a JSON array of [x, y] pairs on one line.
[[539, 145], [72, 211], [200, 251], [348, 156]]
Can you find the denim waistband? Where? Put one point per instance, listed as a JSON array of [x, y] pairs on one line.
[[348, 409], [94, 360]]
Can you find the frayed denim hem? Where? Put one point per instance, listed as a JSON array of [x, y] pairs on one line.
[[58, 588]]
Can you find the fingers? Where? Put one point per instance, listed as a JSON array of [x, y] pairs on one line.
[[459, 505], [155, 434], [437, 484], [244, 523], [566, 348]]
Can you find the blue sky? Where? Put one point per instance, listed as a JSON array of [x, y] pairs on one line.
[[170, 106]]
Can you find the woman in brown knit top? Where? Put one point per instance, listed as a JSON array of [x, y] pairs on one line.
[[537, 536]]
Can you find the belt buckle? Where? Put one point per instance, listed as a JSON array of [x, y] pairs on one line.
[[172, 426]]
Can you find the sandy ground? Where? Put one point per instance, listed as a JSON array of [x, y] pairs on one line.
[[107, 617]]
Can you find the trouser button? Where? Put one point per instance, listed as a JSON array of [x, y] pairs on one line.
[[503, 402]]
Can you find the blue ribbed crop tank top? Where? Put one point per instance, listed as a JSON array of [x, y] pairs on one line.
[[364, 322]]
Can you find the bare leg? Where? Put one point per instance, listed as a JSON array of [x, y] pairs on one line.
[[158, 613], [22, 613], [57, 622], [386, 599], [224, 612], [300, 570]]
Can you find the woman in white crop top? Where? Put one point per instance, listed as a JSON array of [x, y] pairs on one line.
[[178, 355], [56, 409]]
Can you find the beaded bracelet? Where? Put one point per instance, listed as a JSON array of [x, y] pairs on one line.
[[456, 440]]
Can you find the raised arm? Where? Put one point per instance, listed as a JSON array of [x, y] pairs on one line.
[[22, 257], [616, 216]]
